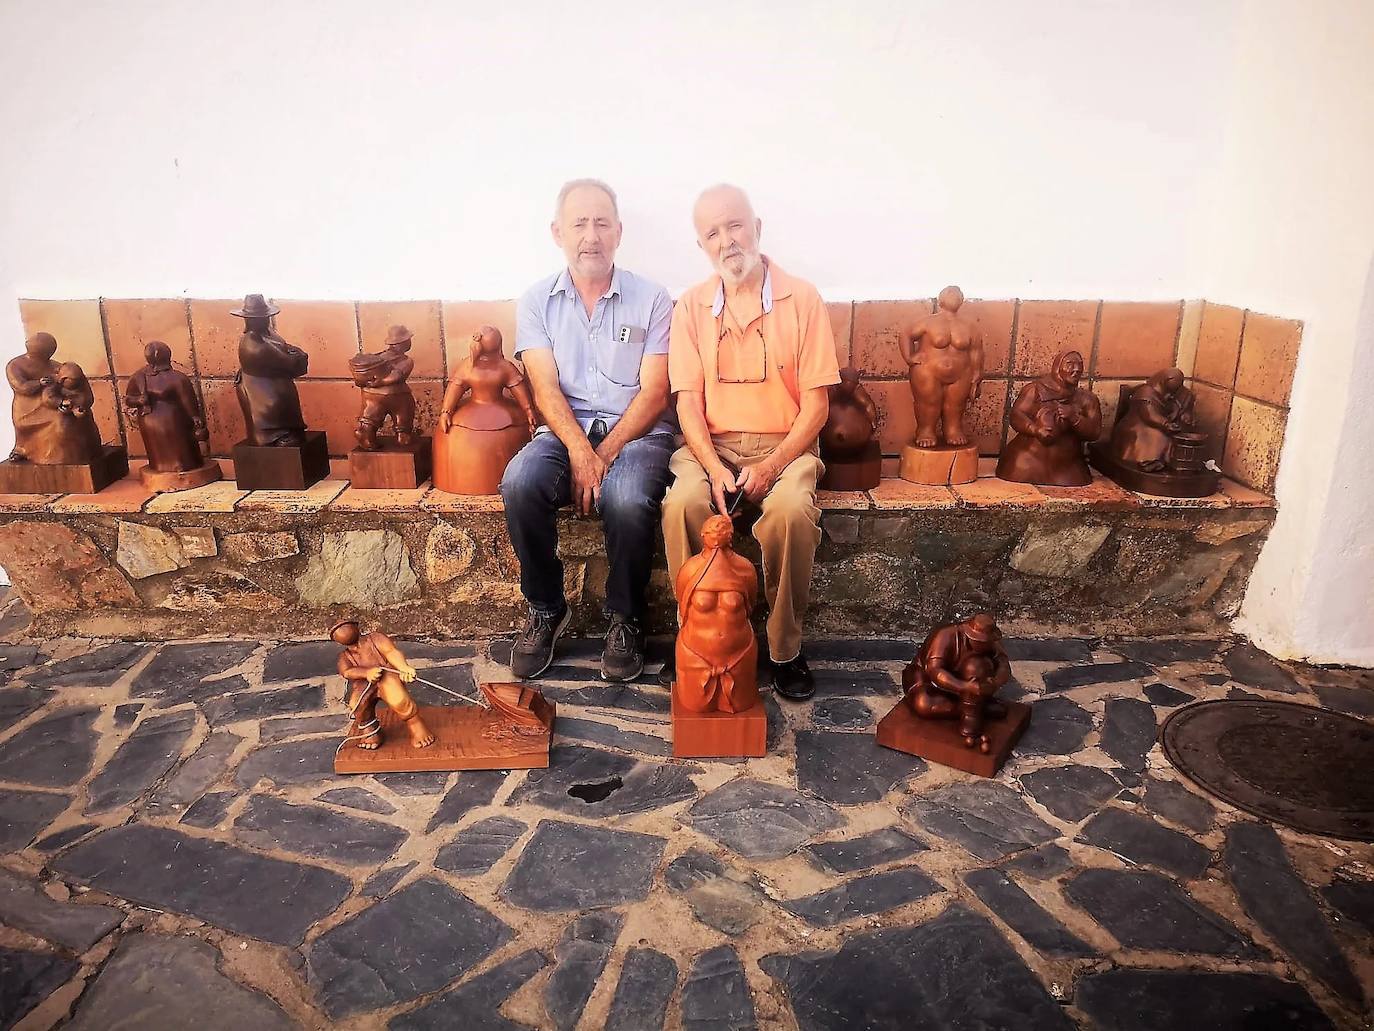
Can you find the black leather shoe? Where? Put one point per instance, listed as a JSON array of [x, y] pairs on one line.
[[792, 679], [532, 652], [623, 657]]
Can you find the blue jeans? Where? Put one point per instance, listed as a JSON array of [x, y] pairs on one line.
[[538, 482]]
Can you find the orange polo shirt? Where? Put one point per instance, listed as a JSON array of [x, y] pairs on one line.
[[752, 376]]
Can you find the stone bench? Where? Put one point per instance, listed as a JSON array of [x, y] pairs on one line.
[[223, 561]]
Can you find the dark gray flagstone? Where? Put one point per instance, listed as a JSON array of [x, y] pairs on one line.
[[148, 753], [1143, 841], [474, 1005], [582, 953], [54, 752], [647, 981], [864, 896], [716, 994], [986, 819], [1153, 1000], [1042, 931], [572, 866], [24, 905], [269, 823], [759, 820]]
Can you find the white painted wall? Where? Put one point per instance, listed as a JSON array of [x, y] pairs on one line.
[[409, 149]]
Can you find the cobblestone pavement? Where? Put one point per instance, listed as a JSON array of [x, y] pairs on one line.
[[178, 853]]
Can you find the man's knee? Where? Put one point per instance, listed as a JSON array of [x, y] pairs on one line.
[[527, 480], [685, 498], [626, 503], [789, 506]]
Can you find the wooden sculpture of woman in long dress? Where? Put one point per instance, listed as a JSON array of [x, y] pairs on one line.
[[162, 404]]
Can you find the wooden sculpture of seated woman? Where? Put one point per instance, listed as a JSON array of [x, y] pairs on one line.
[[717, 653], [162, 404], [480, 426], [53, 424], [1053, 418]]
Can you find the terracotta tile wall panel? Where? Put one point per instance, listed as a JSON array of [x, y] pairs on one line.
[[896, 417], [1188, 336], [985, 418], [876, 328], [1254, 441], [1044, 328], [463, 318], [420, 317], [325, 330], [77, 327], [133, 440], [1137, 338], [223, 416], [106, 411], [1268, 356], [1108, 392], [995, 319], [1218, 344], [332, 407], [216, 335], [841, 324], [132, 324], [428, 394], [1213, 410]]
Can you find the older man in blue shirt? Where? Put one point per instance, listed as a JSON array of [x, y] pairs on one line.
[[594, 340]]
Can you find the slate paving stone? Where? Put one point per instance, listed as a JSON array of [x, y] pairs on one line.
[[1127, 778], [955, 971], [1141, 840], [847, 683], [19, 656], [209, 810], [1070, 677], [473, 788], [25, 906], [842, 714], [414, 784], [191, 779], [269, 823], [55, 752], [607, 734], [300, 660], [155, 982], [24, 813], [1041, 864], [1167, 697], [860, 649], [98, 668], [1054, 649], [574, 866], [615, 697], [1278, 900], [1058, 726], [1042, 931], [593, 782], [433, 651], [1144, 910], [582, 953], [288, 763], [1253, 668], [255, 705], [208, 691], [474, 1005], [1128, 731], [407, 945], [27, 978], [1173, 801], [125, 715], [358, 798], [716, 994], [383, 882], [297, 726], [720, 897], [178, 669], [259, 896], [1239, 694], [59, 840], [1164, 651], [17, 702], [850, 769], [1353, 701], [761, 821], [1153, 1000], [140, 762], [864, 896], [864, 852], [1353, 900], [986, 819], [476, 848], [1070, 792], [647, 981]]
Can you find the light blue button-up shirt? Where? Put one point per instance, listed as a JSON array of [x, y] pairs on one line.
[[598, 356]]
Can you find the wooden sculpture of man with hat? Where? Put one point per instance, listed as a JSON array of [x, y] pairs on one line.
[[265, 382], [375, 669], [956, 674], [382, 377]]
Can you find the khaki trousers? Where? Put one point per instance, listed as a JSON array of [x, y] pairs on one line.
[[788, 530]]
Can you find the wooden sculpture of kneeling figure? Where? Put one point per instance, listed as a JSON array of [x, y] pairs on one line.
[[375, 669]]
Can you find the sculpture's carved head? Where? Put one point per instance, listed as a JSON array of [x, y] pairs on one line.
[[256, 313], [849, 379], [158, 355], [1167, 381], [345, 632], [1068, 367], [951, 299], [398, 338], [981, 630], [41, 345], [69, 374], [717, 532], [486, 340]]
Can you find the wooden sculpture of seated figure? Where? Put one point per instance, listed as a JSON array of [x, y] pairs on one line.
[[1160, 409], [162, 405], [716, 653], [53, 424], [480, 427], [376, 670], [956, 674], [1053, 418]]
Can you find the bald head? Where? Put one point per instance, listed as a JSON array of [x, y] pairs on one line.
[[728, 231]]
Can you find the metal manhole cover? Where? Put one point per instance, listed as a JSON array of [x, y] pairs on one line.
[[1304, 767]]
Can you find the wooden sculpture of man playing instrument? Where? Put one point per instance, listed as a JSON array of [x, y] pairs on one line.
[[944, 353], [716, 653], [375, 669]]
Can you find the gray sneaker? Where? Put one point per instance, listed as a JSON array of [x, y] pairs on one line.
[[532, 652], [623, 657]]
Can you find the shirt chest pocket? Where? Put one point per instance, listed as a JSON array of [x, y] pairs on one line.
[[621, 357]]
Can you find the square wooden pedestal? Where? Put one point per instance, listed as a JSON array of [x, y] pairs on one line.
[[862, 472], [393, 467], [939, 740], [286, 467], [719, 735], [460, 743], [77, 478]]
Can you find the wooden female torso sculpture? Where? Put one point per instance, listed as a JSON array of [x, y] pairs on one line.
[[265, 382], [716, 651], [944, 355], [1053, 418], [53, 424], [852, 458], [481, 427], [162, 405]]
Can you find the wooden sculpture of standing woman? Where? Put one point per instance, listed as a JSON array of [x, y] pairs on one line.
[[944, 355], [480, 427], [717, 653], [162, 405]]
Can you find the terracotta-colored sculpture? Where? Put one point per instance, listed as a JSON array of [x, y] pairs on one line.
[[944, 353], [162, 405], [852, 458], [949, 713], [377, 671], [1053, 418], [715, 703], [480, 427], [386, 394], [1155, 446]]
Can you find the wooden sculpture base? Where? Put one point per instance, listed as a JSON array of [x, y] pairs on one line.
[[76, 478], [719, 735], [466, 737], [164, 482], [939, 466], [859, 473], [1165, 484], [285, 467], [468, 461], [394, 466], [939, 740]]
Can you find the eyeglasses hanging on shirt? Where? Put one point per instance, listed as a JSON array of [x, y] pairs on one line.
[[745, 359]]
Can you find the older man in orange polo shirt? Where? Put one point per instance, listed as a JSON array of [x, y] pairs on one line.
[[750, 356]]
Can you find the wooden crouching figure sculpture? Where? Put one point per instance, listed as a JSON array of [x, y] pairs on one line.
[[510, 728], [950, 713], [1053, 418], [944, 355], [1155, 446], [852, 458], [57, 447], [163, 407], [715, 704], [486, 417], [399, 460]]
